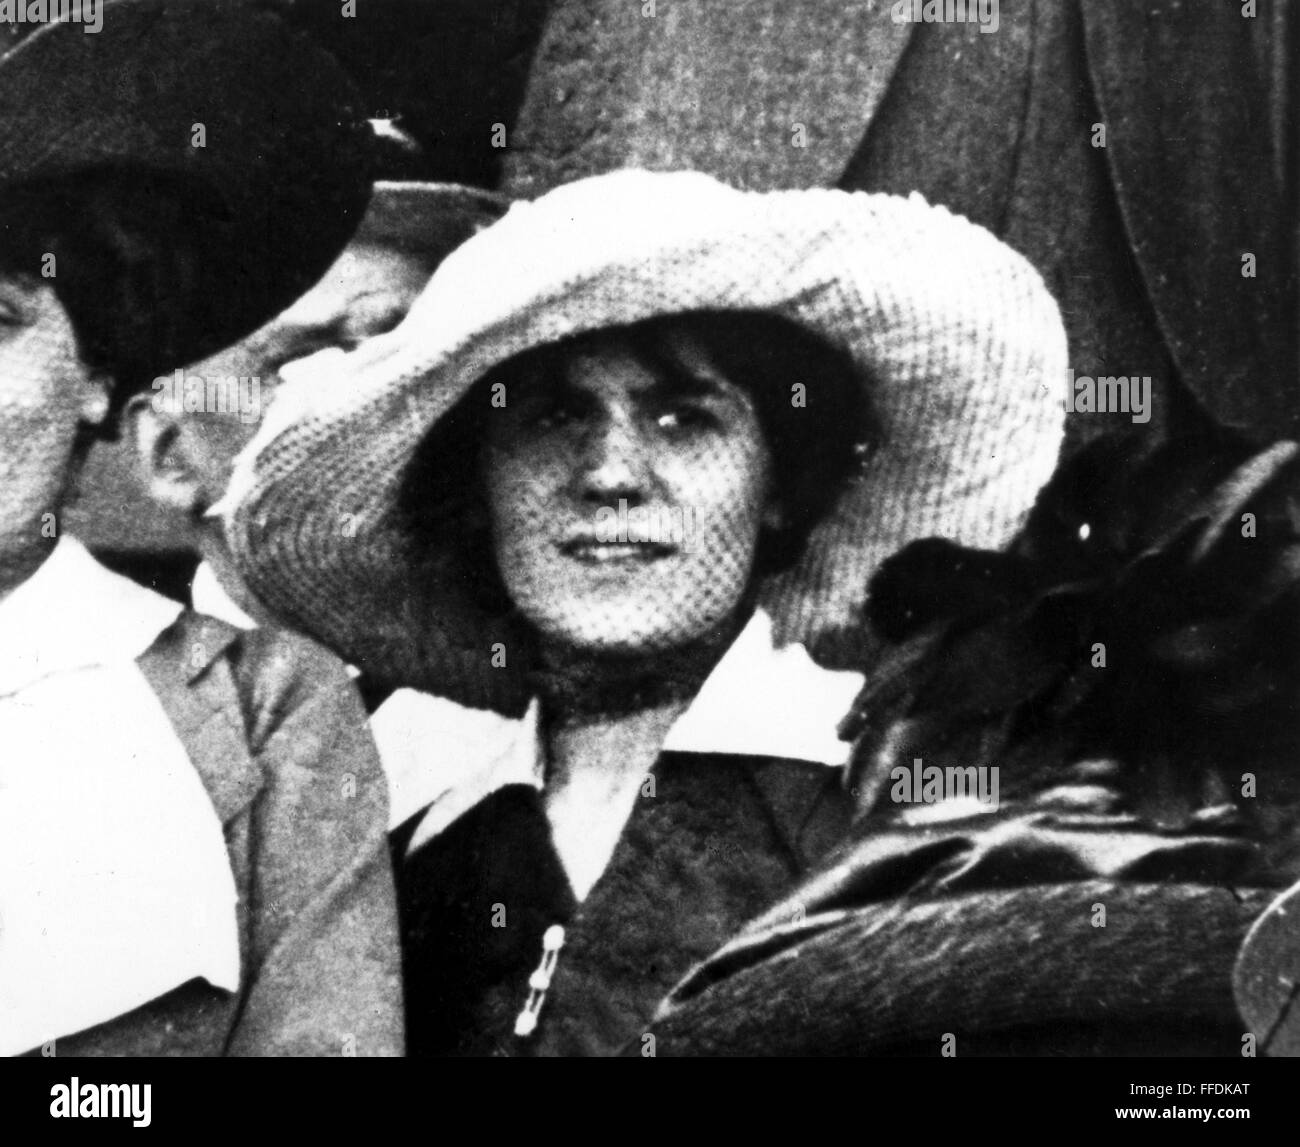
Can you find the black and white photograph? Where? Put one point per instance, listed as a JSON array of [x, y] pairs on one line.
[[649, 528]]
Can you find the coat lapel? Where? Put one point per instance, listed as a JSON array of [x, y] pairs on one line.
[[189, 671], [1185, 104], [806, 804]]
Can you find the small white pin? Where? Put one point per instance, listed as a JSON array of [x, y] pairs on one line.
[[540, 981]]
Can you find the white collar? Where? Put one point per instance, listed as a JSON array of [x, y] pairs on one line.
[[758, 701], [73, 613], [115, 880], [767, 702], [209, 596]]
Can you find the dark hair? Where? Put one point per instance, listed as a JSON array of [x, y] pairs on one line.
[[126, 268], [816, 446]]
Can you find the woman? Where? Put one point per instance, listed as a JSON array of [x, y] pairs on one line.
[[192, 858], [634, 444]]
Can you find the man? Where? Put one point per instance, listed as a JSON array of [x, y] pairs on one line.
[[186, 444], [192, 848], [188, 431]]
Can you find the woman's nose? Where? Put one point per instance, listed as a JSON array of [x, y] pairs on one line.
[[615, 461]]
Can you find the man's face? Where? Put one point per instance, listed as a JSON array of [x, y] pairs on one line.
[[626, 497], [366, 292], [46, 395]]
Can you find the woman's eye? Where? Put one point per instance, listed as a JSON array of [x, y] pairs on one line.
[[557, 413], [684, 418]]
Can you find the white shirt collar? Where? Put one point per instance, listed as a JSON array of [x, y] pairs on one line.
[[72, 613], [764, 701], [115, 880], [209, 596], [758, 701]]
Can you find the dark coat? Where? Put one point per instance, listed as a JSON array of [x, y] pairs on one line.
[[276, 732], [716, 842], [1141, 241]]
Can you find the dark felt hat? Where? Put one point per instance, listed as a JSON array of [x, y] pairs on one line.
[[263, 127], [984, 929]]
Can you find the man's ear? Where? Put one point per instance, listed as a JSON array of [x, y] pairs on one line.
[[162, 460], [96, 398]]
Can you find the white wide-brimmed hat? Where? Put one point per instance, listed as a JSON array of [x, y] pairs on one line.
[[958, 340]]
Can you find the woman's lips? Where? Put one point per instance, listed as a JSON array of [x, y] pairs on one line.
[[591, 552]]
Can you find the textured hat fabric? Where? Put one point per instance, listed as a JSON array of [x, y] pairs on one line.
[[281, 171], [1018, 971], [984, 927], [960, 345]]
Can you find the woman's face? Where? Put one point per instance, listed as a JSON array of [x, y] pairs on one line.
[[46, 394], [626, 496]]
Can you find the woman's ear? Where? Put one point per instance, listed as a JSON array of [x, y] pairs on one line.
[[162, 460], [775, 518]]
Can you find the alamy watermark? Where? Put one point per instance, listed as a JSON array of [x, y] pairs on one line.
[[181, 393], [88, 13], [1109, 394], [77, 1100], [982, 12], [665, 526], [923, 784]]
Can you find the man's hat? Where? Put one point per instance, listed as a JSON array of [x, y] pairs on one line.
[[265, 125]]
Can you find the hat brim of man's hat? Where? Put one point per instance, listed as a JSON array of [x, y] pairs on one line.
[[959, 344], [221, 93], [427, 220]]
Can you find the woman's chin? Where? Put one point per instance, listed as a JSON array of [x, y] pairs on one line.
[[627, 634]]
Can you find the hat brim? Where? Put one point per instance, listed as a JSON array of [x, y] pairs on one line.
[[427, 220], [959, 338], [1001, 966]]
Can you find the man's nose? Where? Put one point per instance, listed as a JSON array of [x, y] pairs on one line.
[[616, 461]]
